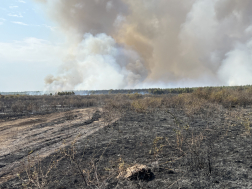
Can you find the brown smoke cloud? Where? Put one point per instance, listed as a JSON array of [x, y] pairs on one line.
[[161, 43]]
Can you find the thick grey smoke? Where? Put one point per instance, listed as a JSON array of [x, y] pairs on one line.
[[142, 43]]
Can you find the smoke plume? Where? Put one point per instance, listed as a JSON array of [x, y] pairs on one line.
[[153, 43]]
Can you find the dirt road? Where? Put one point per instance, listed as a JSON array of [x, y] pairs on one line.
[[39, 136]]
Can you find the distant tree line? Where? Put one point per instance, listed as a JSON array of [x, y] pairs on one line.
[[154, 91], [65, 93], [159, 91]]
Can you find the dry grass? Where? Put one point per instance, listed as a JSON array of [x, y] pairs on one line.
[[18, 104], [228, 97]]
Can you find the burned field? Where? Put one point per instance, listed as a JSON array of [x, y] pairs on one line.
[[193, 140]]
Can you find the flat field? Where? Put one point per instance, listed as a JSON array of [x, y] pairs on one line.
[[193, 140]]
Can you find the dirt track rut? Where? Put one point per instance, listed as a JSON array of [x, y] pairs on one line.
[[39, 136]]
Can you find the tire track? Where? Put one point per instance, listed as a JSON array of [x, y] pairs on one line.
[[42, 139]]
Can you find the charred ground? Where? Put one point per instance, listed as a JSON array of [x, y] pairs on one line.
[[195, 140]]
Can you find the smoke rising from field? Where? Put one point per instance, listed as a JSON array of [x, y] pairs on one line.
[[141, 43]]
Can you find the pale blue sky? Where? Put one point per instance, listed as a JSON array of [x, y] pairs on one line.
[[29, 46]]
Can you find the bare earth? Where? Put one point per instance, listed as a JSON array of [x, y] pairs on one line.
[[41, 135]]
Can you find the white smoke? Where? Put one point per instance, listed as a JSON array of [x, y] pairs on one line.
[[236, 68], [98, 63]]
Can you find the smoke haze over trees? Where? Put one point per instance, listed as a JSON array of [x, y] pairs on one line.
[[152, 43]]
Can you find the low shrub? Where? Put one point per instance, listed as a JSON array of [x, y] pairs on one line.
[[134, 96]]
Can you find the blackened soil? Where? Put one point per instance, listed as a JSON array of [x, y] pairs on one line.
[[211, 149]]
